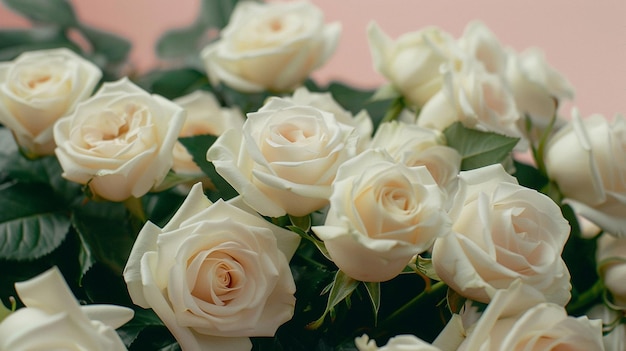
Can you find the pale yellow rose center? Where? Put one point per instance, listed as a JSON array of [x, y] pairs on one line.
[[115, 132], [219, 280]]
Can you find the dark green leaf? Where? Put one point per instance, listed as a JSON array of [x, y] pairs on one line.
[[304, 222], [529, 176], [181, 42], [100, 241], [114, 48], [354, 100], [16, 41], [373, 292], [144, 318], [341, 288], [32, 223], [477, 148], [216, 14], [174, 83], [197, 146], [59, 12]]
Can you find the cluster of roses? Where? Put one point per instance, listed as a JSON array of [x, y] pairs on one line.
[[218, 273]]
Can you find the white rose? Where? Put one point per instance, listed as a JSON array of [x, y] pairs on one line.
[[611, 259], [397, 343], [272, 46], [537, 87], [411, 63], [325, 102], [417, 146], [503, 232], [53, 319], [475, 97], [205, 115], [215, 274], [120, 141], [515, 320], [480, 43], [286, 158], [39, 87], [382, 213], [587, 159], [614, 339]]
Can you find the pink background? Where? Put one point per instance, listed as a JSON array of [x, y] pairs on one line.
[[585, 40]]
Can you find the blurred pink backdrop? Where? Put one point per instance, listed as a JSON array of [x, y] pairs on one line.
[[585, 40]]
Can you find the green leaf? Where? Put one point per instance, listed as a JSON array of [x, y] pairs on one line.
[[174, 83], [59, 12], [373, 291], [530, 176], [32, 224], [181, 42], [341, 287], [143, 318], [354, 100], [100, 241], [16, 41], [477, 148], [216, 14], [114, 48], [197, 146]]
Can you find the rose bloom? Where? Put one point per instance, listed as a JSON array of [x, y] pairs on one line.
[[501, 232], [325, 102], [53, 319], [397, 343], [611, 259], [537, 87], [614, 339], [416, 146], [382, 213], [480, 43], [411, 63], [215, 274], [271, 46], [120, 141], [39, 87], [518, 319], [205, 115], [285, 159], [475, 97], [587, 159]]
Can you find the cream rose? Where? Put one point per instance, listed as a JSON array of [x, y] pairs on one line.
[[475, 97], [503, 232], [411, 63], [382, 213], [417, 146], [285, 159], [611, 259], [516, 321], [53, 319], [397, 343], [614, 339], [480, 43], [120, 141], [537, 87], [38, 88], [205, 115], [587, 159], [272, 46], [215, 274], [325, 102]]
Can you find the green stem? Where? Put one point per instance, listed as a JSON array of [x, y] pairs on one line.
[[542, 144], [586, 298], [436, 292]]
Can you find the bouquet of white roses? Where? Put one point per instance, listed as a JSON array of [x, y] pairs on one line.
[[228, 202]]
